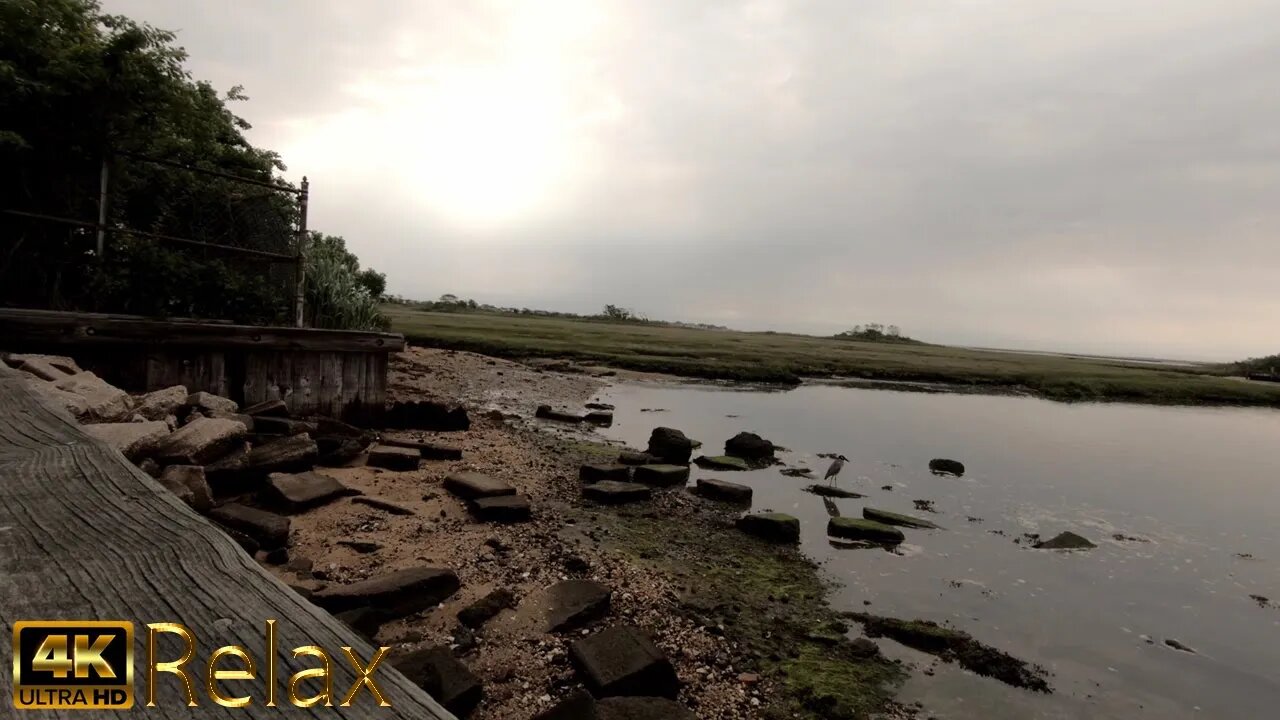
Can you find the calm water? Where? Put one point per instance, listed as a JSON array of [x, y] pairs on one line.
[[1198, 485]]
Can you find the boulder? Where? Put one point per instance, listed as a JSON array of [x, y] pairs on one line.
[[546, 412], [267, 528], [749, 447], [622, 660], [200, 441], [394, 458], [601, 471], [474, 485], [868, 530], [481, 611], [630, 457], [268, 408], [134, 440], [295, 493], [721, 462], [502, 509], [208, 403], [426, 415], [662, 475], [893, 518], [1065, 541], [287, 454], [444, 677], [574, 603], [383, 505], [103, 401], [282, 425], [614, 492], [188, 483], [670, 446], [723, 490], [399, 593], [771, 526], [160, 404], [943, 466]]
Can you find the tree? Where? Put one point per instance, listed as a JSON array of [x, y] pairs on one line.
[[613, 312], [336, 295]]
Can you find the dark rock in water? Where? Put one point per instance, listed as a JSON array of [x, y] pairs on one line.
[[1065, 541], [473, 485], [365, 620], [772, 526], [1262, 600], [893, 518], [399, 593], [864, 648], [444, 678], [613, 492], [426, 415], [924, 505], [503, 509], [599, 406], [723, 490], [662, 475], [599, 417], [574, 603], [599, 471], [629, 457], [800, 472], [721, 462], [750, 447], [1179, 646], [546, 412], [870, 530], [943, 466], [623, 661], [481, 611], [394, 458], [831, 491], [671, 445]]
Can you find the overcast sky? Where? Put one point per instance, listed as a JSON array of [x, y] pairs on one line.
[[1093, 175]]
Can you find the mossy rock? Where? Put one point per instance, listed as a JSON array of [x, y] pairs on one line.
[[859, 529], [893, 518], [721, 462]]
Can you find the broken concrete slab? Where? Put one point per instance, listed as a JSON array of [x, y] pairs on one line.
[[339, 451], [267, 528], [74, 404], [574, 603], [207, 402], [893, 518], [486, 608], [578, 706], [474, 485], [630, 457], [642, 708], [267, 408], [134, 440], [502, 509], [383, 505], [662, 475], [546, 412], [599, 417], [831, 491], [721, 462], [444, 677], [160, 404], [188, 483], [225, 473], [283, 425], [104, 402], [58, 363], [603, 471], [40, 367], [394, 458], [399, 593], [772, 526], [622, 660], [200, 441], [860, 529], [671, 445], [287, 454], [614, 492], [723, 490], [427, 450], [303, 491]]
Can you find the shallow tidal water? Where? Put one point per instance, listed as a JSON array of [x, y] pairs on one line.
[[1195, 492]]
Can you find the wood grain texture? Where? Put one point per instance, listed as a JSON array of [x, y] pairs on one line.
[[85, 535]]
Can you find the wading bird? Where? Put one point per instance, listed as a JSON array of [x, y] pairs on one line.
[[834, 470]]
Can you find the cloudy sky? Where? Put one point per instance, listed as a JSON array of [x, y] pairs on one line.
[[1094, 175]]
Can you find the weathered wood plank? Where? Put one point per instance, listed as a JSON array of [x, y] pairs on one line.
[[45, 327], [85, 535]]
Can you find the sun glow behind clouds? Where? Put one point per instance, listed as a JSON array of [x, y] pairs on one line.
[[482, 138]]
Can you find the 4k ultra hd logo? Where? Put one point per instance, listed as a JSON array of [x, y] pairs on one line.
[[73, 664]]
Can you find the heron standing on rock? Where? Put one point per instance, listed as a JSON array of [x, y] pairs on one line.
[[834, 470]]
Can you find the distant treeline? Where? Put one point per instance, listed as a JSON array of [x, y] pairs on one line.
[[1269, 365], [612, 313], [876, 332]]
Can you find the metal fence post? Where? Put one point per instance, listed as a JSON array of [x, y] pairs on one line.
[[102, 210], [300, 272]]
